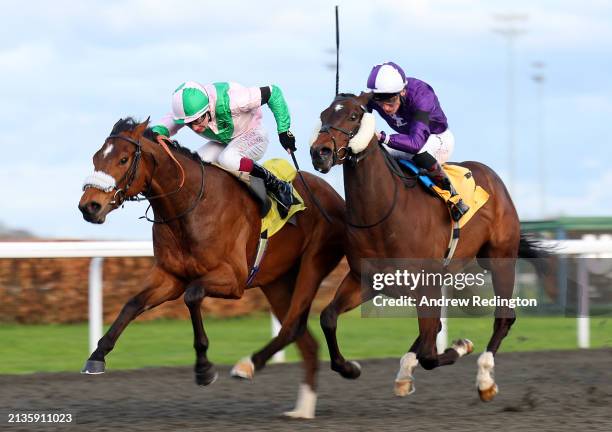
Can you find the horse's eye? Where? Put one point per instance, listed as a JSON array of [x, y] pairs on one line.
[[353, 117], [123, 160]]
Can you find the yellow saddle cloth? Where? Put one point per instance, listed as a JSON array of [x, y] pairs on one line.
[[272, 222], [463, 181]]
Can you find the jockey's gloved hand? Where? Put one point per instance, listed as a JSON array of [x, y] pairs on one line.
[[383, 138], [287, 140]]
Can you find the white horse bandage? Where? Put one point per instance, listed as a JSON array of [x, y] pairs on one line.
[[315, 133], [486, 363], [100, 180], [360, 141]]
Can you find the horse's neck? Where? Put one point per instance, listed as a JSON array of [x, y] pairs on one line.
[[369, 186], [170, 198], [210, 183], [370, 190]]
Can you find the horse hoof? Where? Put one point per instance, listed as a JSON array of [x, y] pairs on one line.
[[244, 369], [404, 387], [206, 377], [305, 405], [350, 370], [487, 395], [298, 415], [93, 367], [463, 347]]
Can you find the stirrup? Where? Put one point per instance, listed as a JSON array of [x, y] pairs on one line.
[[458, 209]]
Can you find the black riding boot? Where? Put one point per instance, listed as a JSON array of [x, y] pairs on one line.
[[281, 191], [434, 171]]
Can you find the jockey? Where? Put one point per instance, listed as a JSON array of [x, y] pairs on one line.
[[229, 116], [411, 108]]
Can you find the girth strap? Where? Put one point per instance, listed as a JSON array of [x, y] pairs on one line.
[[452, 244], [261, 251]]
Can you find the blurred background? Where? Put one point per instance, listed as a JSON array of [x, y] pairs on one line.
[[525, 86]]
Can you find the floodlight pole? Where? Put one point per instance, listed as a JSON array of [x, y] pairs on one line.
[[510, 31], [539, 78]]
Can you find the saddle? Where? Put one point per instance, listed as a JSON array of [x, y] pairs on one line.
[[271, 220], [463, 181]]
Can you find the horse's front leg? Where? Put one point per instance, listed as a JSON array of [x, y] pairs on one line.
[[159, 288], [205, 373], [348, 297]]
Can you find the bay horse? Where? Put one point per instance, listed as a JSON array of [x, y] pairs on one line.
[[205, 235], [382, 223]]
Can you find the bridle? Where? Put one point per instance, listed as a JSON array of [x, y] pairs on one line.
[[354, 159], [120, 195], [347, 154]]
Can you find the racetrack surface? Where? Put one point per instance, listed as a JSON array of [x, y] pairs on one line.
[[559, 390]]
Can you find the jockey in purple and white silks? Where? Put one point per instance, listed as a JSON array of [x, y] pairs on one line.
[[230, 117], [412, 109]]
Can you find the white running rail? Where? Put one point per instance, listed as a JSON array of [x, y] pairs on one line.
[[589, 246], [97, 250]]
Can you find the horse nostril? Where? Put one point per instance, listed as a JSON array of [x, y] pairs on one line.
[[320, 154], [91, 208], [94, 207], [325, 152]]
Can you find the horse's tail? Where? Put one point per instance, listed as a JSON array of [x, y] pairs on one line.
[[538, 254]]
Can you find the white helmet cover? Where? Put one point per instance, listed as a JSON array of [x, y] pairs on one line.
[[386, 78]]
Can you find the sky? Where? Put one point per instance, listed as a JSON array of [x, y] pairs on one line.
[[70, 72]]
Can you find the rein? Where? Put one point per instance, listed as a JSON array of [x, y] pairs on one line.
[[354, 159], [189, 210], [120, 193], [312, 196], [348, 154], [384, 218]]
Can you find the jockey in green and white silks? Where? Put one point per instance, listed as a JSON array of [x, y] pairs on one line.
[[229, 116]]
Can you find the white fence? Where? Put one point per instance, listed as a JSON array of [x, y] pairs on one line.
[[589, 246], [98, 250]]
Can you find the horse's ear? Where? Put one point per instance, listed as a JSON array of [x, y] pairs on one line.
[[142, 127], [364, 98]]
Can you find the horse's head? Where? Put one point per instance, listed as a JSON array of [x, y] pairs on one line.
[[118, 173], [346, 130]]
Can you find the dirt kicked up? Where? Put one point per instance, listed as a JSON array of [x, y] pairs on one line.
[[559, 390]]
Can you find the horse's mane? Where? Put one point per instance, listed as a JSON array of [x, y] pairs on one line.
[[343, 96], [128, 124]]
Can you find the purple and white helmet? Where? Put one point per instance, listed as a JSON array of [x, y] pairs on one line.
[[387, 78]]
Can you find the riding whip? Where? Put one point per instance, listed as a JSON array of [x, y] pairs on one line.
[[314, 198], [337, 53]]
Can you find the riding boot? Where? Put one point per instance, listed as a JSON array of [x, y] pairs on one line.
[[281, 191], [434, 171]]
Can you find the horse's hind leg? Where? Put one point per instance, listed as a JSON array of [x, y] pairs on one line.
[[279, 295], [404, 381], [278, 291], [502, 273], [160, 287], [348, 297], [312, 270], [205, 373]]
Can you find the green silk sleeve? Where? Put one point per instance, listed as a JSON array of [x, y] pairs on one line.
[[279, 108]]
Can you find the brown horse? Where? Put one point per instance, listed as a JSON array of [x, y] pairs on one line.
[[205, 237], [383, 223]]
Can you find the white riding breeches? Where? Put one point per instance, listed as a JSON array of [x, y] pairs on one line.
[[440, 146], [252, 144]]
